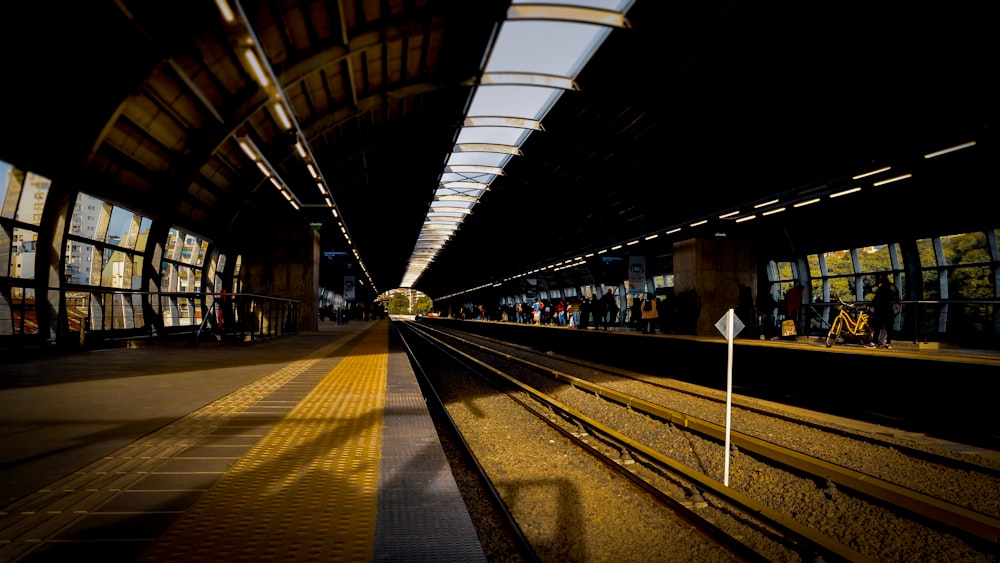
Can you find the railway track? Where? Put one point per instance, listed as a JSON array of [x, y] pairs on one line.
[[792, 489]]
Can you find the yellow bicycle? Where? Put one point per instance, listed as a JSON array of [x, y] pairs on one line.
[[851, 322]]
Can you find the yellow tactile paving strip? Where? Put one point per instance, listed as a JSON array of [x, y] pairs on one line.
[[39, 521], [308, 490]]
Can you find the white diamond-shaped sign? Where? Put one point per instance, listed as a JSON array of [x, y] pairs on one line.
[[723, 325]]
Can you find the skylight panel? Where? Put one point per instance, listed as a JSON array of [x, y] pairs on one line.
[[475, 193], [500, 135], [445, 204], [528, 102], [545, 47], [482, 178], [535, 57], [610, 5], [480, 158], [439, 196]]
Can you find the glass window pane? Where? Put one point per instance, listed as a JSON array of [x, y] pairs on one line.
[[79, 257], [874, 259], [85, 214], [6, 316], [185, 311], [117, 269], [175, 241], [136, 274], [143, 235], [931, 289], [236, 274], [95, 314], [33, 194], [185, 279], [22, 258], [102, 218], [120, 312], [814, 270], [139, 319], [200, 250], [925, 247], [168, 308], [188, 249], [24, 318], [91, 266], [77, 304], [168, 277], [971, 282], [5, 255], [196, 279], [120, 227], [10, 189], [969, 248], [839, 263]]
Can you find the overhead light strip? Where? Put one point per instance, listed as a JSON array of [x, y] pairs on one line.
[[257, 63]]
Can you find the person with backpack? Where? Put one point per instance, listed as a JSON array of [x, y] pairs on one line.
[[885, 307], [649, 314]]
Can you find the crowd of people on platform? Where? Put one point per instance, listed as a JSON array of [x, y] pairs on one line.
[[665, 313], [767, 316]]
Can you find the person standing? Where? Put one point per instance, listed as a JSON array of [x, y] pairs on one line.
[[883, 313], [766, 304], [536, 312], [635, 320], [607, 308], [586, 309], [649, 314], [793, 304]]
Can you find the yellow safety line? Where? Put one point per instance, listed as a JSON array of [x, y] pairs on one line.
[[308, 491]]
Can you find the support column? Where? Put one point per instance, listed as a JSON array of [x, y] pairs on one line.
[[286, 265], [707, 278]]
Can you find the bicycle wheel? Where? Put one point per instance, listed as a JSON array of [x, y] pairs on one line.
[[834, 334]]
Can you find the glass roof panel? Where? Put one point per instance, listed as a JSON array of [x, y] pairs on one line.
[[545, 47], [452, 206], [453, 177], [537, 53], [482, 158], [502, 135], [529, 102], [611, 5]]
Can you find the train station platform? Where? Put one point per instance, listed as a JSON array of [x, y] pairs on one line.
[[314, 447]]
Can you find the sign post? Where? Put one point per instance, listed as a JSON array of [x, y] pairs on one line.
[[729, 325]]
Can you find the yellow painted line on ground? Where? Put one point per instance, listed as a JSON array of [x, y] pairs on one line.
[[309, 489]]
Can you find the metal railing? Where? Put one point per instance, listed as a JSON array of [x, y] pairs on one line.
[[91, 317], [969, 323]]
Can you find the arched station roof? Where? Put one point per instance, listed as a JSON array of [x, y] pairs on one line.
[[686, 111]]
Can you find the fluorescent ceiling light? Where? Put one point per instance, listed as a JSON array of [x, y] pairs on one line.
[[951, 149]]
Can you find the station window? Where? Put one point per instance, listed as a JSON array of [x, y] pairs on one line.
[[103, 265], [22, 199], [181, 272]]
